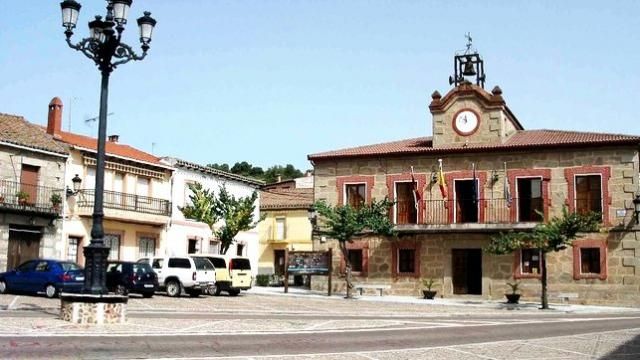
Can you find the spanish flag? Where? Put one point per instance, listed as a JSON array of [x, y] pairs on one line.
[[441, 181]]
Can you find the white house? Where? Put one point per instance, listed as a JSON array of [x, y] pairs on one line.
[[191, 237]]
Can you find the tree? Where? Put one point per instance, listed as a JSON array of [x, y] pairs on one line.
[[553, 235], [223, 167], [236, 213], [271, 175], [344, 223]]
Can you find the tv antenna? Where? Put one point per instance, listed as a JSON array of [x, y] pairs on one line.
[[88, 121]]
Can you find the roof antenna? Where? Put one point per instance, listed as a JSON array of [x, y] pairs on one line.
[[153, 148], [94, 119]]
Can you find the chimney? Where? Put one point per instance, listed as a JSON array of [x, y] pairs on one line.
[[114, 138], [279, 178], [54, 123]]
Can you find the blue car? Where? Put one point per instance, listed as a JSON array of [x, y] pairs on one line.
[[43, 275]]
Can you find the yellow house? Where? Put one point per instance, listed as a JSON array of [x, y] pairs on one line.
[[285, 224]]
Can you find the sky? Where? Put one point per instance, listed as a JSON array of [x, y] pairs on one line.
[[270, 82]]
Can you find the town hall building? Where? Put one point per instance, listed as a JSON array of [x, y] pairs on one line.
[[481, 173]]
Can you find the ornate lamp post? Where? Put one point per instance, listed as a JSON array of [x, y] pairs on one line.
[[105, 48]]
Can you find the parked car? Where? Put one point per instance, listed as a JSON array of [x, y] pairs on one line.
[[125, 277], [43, 276], [177, 273], [233, 273]]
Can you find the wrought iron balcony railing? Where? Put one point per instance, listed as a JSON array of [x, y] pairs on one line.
[[16, 196], [128, 202], [469, 211]]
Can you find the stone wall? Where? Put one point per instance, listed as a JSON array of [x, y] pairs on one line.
[[621, 239]]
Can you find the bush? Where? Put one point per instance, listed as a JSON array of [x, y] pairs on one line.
[[262, 280]]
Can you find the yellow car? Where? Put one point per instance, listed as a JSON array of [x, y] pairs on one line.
[[233, 273]]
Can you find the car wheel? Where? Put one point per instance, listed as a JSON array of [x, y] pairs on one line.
[[50, 291], [173, 288], [217, 291], [121, 290], [3, 287], [147, 295], [234, 292], [213, 290]]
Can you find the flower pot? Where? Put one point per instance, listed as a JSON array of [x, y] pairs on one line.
[[22, 202], [428, 294], [512, 298]]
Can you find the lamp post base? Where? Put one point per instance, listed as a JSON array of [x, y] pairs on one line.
[[93, 309], [95, 271]]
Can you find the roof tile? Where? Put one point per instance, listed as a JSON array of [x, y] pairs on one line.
[[16, 130], [286, 199]]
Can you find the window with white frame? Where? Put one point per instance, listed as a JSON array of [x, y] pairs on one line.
[[214, 247], [72, 248], [281, 228], [146, 246], [112, 241]]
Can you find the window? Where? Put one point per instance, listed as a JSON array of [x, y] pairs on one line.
[[530, 261], [143, 187], [28, 266], [70, 266], [240, 249], [42, 266], [72, 248], [355, 195], [240, 264], [406, 210], [218, 263], [405, 258], [588, 193], [406, 261], [192, 246], [530, 200], [590, 260], [157, 263], [214, 247], [147, 246], [181, 263], [355, 258], [89, 181], [203, 263], [113, 241], [280, 228]]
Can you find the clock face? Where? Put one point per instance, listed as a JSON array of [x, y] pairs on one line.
[[466, 122]]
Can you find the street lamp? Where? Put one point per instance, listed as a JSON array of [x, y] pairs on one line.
[[76, 181], [105, 48]]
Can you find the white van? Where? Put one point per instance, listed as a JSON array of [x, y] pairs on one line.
[[233, 273]]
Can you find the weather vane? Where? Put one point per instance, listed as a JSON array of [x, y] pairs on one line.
[[469, 41]]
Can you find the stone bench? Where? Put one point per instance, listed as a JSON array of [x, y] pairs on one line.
[[565, 296], [378, 287]]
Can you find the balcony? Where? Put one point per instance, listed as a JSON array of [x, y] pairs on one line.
[[125, 206], [32, 199], [469, 214]]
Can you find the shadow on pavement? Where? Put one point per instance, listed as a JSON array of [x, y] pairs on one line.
[[628, 350]]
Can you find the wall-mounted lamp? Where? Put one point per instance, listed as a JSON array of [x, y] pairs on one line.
[[636, 208], [494, 176], [76, 186], [312, 214], [434, 176]]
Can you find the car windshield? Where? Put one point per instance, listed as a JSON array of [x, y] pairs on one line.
[[203, 264], [240, 264], [219, 263], [69, 266], [142, 268]]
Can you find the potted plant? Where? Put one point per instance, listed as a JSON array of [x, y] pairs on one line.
[[427, 292], [514, 297], [22, 197], [56, 200]]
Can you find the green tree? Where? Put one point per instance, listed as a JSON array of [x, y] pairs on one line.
[[236, 214], [345, 223], [223, 167], [553, 235]]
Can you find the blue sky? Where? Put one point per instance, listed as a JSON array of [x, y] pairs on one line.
[[272, 81]]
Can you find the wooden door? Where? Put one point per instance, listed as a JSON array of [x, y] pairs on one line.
[[278, 262], [406, 212], [24, 244], [459, 271], [467, 271], [29, 182]]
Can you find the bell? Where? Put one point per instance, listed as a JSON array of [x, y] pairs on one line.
[[469, 70]]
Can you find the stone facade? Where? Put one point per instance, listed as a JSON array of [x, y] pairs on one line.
[[93, 309], [437, 234]]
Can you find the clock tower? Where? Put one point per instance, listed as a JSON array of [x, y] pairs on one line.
[[468, 115]]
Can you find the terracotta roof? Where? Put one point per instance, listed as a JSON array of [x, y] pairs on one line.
[[286, 199], [16, 130], [525, 139], [112, 148], [209, 170]]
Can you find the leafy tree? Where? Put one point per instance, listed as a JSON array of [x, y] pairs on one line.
[[287, 172], [236, 213], [553, 235], [223, 167], [344, 223], [269, 176]]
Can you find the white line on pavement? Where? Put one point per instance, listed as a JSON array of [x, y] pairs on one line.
[[556, 349], [472, 354], [315, 326], [10, 307], [137, 301]]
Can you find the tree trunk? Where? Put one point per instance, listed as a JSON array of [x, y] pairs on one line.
[[543, 281], [347, 267]]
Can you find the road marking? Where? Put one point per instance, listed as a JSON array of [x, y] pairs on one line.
[[203, 325], [469, 353], [360, 353], [143, 303], [10, 307], [561, 350], [315, 326]]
